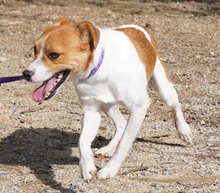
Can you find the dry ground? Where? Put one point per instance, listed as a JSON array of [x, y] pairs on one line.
[[38, 143]]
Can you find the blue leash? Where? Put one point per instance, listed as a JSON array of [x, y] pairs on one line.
[[10, 79]]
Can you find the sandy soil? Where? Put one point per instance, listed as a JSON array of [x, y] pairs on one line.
[[38, 143]]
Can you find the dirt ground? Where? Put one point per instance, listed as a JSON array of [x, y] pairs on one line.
[[38, 147]]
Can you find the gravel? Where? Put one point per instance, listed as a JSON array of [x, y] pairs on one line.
[[38, 144]]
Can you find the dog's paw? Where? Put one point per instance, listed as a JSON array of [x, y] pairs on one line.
[[88, 170], [106, 173], [105, 151], [185, 133], [88, 173]]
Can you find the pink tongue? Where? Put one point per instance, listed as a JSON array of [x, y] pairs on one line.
[[40, 93]]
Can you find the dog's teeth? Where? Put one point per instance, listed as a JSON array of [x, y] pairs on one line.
[[47, 94], [60, 76]]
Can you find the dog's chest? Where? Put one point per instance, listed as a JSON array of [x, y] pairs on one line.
[[100, 93]]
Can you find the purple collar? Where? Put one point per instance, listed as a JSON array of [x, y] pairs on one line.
[[10, 79], [94, 70]]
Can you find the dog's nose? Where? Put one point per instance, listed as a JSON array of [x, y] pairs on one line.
[[27, 74]]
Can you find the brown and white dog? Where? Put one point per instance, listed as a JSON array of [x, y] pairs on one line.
[[109, 67]]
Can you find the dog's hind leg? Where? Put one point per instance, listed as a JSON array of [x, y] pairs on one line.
[[120, 123], [137, 114], [163, 85]]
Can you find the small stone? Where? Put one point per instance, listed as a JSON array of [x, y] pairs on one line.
[[109, 12], [94, 191], [156, 127], [212, 53], [100, 156], [202, 122], [158, 186], [214, 168], [74, 184], [47, 190], [211, 138], [217, 182], [16, 12], [33, 6], [198, 56], [103, 128], [114, 16], [87, 8], [117, 178]]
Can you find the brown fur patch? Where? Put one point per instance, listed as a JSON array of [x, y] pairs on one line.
[[146, 51], [65, 38], [155, 48]]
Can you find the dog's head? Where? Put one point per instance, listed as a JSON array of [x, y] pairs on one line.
[[63, 50]]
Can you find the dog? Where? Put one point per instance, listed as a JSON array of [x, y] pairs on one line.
[[109, 67]]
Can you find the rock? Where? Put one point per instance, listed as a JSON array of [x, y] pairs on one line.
[[87, 8], [212, 53], [74, 184], [156, 127], [198, 56], [202, 122], [158, 186]]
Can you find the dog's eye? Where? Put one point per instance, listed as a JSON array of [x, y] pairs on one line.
[[53, 55]]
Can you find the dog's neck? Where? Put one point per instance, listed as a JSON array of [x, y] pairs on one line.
[[96, 68]]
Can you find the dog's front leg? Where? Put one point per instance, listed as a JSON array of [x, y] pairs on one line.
[[90, 125], [134, 123]]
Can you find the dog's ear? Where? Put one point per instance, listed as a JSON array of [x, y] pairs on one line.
[[65, 21], [89, 33]]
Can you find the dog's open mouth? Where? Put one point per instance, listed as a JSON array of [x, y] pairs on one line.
[[49, 87]]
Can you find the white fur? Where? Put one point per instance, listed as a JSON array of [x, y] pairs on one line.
[[40, 70], [121, 80], [168, 94]]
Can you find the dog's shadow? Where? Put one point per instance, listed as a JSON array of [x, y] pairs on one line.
[[39, 149]]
